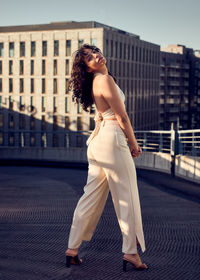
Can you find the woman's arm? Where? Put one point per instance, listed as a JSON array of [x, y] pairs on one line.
[[110, 93]]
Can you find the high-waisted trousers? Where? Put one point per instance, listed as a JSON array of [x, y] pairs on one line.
[[111, 168]]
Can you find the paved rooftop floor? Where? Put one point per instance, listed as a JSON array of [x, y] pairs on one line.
[[36, 209]]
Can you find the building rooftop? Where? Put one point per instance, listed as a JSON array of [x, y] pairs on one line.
[[37, 206], [62, 25]]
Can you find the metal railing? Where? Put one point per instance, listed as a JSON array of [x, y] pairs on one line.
[[184, 142]]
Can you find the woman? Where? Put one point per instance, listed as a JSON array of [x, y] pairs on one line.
[[111, 149]]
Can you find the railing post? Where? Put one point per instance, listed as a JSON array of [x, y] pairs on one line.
[[161, 143], [22, 139], [45, 140], [193, 144], [144, 141], [173, 148]]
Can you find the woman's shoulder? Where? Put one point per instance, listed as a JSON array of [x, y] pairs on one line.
[[104, 78]]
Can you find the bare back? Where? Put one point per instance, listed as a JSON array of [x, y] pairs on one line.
[[100, 102]]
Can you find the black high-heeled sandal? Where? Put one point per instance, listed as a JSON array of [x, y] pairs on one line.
[[143, 266], [73, 260]]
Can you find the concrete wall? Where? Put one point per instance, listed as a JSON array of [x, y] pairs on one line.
[[186, 167]]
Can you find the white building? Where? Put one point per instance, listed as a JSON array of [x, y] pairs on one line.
[[35, 62]]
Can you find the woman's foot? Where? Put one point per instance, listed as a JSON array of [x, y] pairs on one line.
[[135, 260], [71, 252], [72, 257]]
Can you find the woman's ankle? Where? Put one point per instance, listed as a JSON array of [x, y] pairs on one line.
[[72, 251]]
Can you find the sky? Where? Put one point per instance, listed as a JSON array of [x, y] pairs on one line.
[[161, 22]]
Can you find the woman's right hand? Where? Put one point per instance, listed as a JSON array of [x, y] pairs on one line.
[[135, 150]]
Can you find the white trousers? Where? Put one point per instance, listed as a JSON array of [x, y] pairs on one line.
[[111, 168]]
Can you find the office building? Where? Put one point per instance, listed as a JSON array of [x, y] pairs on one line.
[[35, 62], [180, 88]]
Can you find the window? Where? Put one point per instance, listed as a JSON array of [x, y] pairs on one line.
[[21, 67], [66, 85], [55, 140], [111, 48], [1, 68], [32, 122], [10, 85], [67, 67], [79, 109], [11, 121], [43, 86], [93, 41], [55, 69], [133, 53], [32, 140], [136, 53], [92, 109], [120, 50], [56, 47], [21, 103], [1, 138], [43, 140], [32, 67], [21, 85], [66, 105], [43, 123], [44, 48], [55, 122], [80, 43], [33, 48], [11, 139], [106, 49], [22, 121], [92, 124], [11, 49], [116, 49], [55, 88], [128, 51], [22, 49], [124, 51], [10, 102], [31, 104], [54, 104], [10, 67], [67, 123], [1, 49], [1, 120], [43, 104], [32, 85], [43, 67], [1, 85], [68, 47], [79, 123]]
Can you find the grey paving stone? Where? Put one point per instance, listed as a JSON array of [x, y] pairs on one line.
[[36, 208]]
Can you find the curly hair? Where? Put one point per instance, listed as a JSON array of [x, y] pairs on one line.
[[80, 82]]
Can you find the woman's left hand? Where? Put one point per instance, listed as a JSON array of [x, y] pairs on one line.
[[136, 153]]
